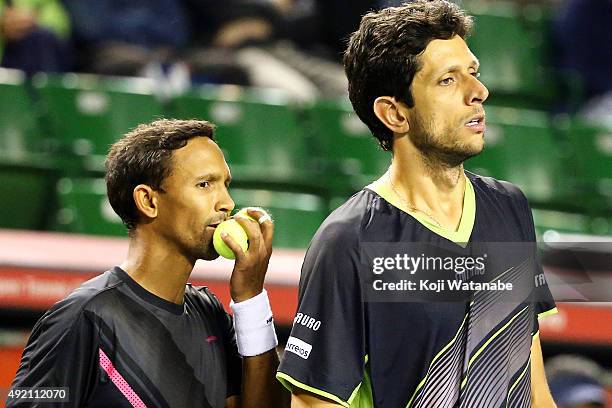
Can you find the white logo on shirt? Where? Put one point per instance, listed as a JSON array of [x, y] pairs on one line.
[[298, 347], [307, 321]]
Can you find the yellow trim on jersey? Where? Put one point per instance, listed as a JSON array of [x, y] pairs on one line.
[[466, 225], [361, 397], [288, 382], [482, 348], [528, 365], [435, 359], [552, 311]]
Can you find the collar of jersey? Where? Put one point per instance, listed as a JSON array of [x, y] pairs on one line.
[[463, 233]]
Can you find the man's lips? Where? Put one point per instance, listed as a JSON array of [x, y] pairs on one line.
[[477, 123], [214, 224]]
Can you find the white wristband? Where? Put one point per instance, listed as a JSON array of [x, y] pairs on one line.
[[254, 325]]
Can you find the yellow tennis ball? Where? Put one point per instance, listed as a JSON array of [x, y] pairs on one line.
[[244, 212], [234, 230]]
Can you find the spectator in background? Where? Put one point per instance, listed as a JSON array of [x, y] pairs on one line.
[[216, 42], [319, 30], [237, 34], [330, 34], [120, 37], [574, 382], [582, 35], [33, 35]]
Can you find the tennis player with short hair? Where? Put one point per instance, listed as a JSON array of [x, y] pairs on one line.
[[414, 82], [139, 335]]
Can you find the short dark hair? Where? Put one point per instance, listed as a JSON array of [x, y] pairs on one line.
[[144, 156], [382, 56]]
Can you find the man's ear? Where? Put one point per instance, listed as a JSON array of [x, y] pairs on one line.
[[145, 199], [393, 114]]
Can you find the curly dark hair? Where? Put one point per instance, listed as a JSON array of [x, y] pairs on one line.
[[144, 156], [382, 56]]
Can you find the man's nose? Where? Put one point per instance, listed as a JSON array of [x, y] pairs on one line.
[[478, 93]]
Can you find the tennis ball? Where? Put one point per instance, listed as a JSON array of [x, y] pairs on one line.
[[244, 212], [234, 230]]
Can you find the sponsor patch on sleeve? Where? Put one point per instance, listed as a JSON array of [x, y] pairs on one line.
[[298, 347]]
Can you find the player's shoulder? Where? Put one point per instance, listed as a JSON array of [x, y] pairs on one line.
[[493, 187], [346, 222], [202, 296], [69, 309], [207, 306]]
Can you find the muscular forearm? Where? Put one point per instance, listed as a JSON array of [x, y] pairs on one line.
[[260, 387], [253, 320]]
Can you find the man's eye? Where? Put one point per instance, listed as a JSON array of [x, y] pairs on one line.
[[447, 81], [204, 184], [476, 74]]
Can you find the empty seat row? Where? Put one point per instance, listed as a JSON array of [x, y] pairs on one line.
[[83, 207], [56, 127]]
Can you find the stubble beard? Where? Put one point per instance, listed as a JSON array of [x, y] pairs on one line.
[[441, 148], [204, 248], [209, 254]]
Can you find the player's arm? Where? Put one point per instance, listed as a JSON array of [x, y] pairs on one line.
[[304, 399], [260, 380], [540, 394], [257, 341], [232, 402], [259, 385]]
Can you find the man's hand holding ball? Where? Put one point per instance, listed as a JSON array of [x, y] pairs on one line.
[[247, 237]]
